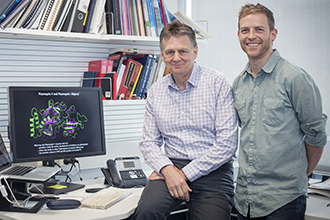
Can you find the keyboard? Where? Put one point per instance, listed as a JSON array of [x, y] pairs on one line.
[[18, 170], [105, 198]]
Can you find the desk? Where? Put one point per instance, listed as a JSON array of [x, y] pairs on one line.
[[121, 210], [317, 208]]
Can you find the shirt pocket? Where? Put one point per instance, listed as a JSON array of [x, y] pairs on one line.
[[240, 106], [273, 111]]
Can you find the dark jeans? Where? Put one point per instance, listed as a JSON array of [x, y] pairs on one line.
[[211, 197], [294, 210]]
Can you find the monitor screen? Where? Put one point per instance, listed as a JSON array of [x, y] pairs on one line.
[[47, 123]]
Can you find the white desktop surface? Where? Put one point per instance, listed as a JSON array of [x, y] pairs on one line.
[[317, 208], [122, 209]]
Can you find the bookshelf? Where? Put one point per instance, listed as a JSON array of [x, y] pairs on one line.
[[16, 33], [46, 58]]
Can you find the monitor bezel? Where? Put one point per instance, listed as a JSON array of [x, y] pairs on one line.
[[11, 124]]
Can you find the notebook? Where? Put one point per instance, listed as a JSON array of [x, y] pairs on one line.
[[32, 173]]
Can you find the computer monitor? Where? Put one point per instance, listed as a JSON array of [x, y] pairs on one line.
[[48, 123]]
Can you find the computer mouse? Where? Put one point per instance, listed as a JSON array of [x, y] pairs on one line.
[[59, 204]]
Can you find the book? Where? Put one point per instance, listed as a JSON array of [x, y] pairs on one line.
[[84, 22], [120, 74], [14, 15], [140, 18], [134, 81], [130, 51], [134, 18], [97, 19], [154, 76], [123, 14], [159, 25], [16, 11], [6, 8], [45, 16], [144, 89], [5, 4], [89, 79], [53, 15], [145, 60], [63, 15], [109, 86], [129, 80], [150, 76], [67, 24], [14, 19], [117, 59], [59, 12], [90, 13], [152, 18], [113, 16], [146, 18], [34, 18], [129, 16], [109, 16], [26, 13], [101, 67], [70, 18], [161, 69], [103, 26], [200, 32], [79, 16], [169, 16], [162, 10]]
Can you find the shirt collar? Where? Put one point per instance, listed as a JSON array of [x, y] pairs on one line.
[[193, 79], [269, 65]]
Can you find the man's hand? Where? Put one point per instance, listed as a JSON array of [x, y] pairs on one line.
[[155, 176], [176, 183]]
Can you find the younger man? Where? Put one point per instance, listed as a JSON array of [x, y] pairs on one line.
[[282, 125]]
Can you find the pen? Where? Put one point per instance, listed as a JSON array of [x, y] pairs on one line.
[[328, 204]]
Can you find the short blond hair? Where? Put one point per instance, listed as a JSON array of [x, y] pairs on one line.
[[258, 8]]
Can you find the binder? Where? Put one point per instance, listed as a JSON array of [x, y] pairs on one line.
[[109, 17], [109, 86], [62, 17], [35, 14], [89, 79], [140, 18], [134, 18], [97, 18], [67, 21], [6, 7], [79, 16], [26, 13], [145, 60], [21, 6], [89, 16], [123, 16], [46, 14], [53, 15]]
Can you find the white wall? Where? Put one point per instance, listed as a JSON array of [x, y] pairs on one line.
[[303, 38]]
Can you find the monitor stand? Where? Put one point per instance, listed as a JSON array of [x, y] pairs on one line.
[[54, 186], [20, 193]]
